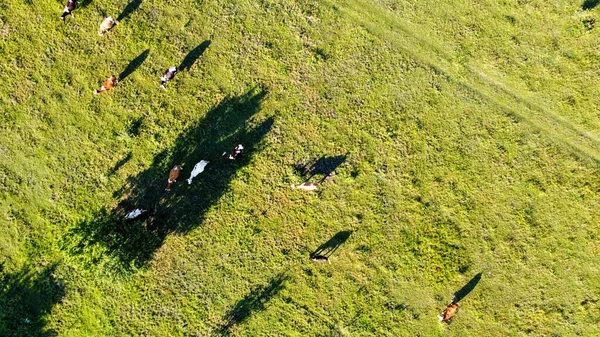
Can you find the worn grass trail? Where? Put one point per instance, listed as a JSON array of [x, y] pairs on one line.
[[463, 138], [392, 28]]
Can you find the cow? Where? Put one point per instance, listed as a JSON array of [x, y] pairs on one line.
[[450, 311], [173, 175], [198, 168], [69, 8], [320, 258], [236, 152], [306, 186], [106, 25], [134, 214], [108, 84], [167, 76]]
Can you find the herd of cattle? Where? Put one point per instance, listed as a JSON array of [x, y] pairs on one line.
[[112, 80]]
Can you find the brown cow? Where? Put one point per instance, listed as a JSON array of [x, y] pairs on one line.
[[173, 175], [108, 84], [450, 311], [106, 25]]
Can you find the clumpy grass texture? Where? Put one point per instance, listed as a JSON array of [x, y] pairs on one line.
[[455, 143]]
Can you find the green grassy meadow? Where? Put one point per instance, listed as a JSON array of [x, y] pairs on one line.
[[464, 138]]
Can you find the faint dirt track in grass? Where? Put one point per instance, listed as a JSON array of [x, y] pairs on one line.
[[472, 80]]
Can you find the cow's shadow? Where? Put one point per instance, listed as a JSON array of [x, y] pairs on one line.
[[193, 55], [467, 288], [324, 167], [133, 65], [253, 302], [130, 8], [589, 4], [133, 243], [329, 247], [26, 298]]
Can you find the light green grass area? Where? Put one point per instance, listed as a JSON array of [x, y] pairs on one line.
[[470, 139]]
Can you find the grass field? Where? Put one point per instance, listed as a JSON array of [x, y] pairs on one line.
[[462, 138]]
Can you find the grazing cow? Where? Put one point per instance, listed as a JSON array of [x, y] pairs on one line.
[[306, 186], [69, 8], [236, 152], [173, 175], [167, 76], [320, 258], [198, 168], [108, 84], [450, 311], [106, 25], [134, 214]]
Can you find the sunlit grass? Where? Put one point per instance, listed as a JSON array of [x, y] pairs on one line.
[[469, 137]]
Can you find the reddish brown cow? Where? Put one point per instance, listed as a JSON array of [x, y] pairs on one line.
[[173, 175], [450, 311], [108, 84]]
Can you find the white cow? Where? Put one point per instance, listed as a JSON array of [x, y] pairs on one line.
[[306, 186], [134, 214], [198, 168]]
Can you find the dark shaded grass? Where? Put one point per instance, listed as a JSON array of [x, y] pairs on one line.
[[26, 297], [182, 209], [590, 4]]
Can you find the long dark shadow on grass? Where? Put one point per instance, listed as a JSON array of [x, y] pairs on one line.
[[130, 8], [193, 55], [464, 291], [26, 298], [254, 302], [329, 247], [120, 164], [133, 65], [324, 166], [589, 4], [132, 244]]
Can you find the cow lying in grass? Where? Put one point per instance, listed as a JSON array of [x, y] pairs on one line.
[[306, 186], [69, 8], [198, 168], [167, 76], [320, 258], [236, 152], [106, 25], [107, 85], [134, 214]]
